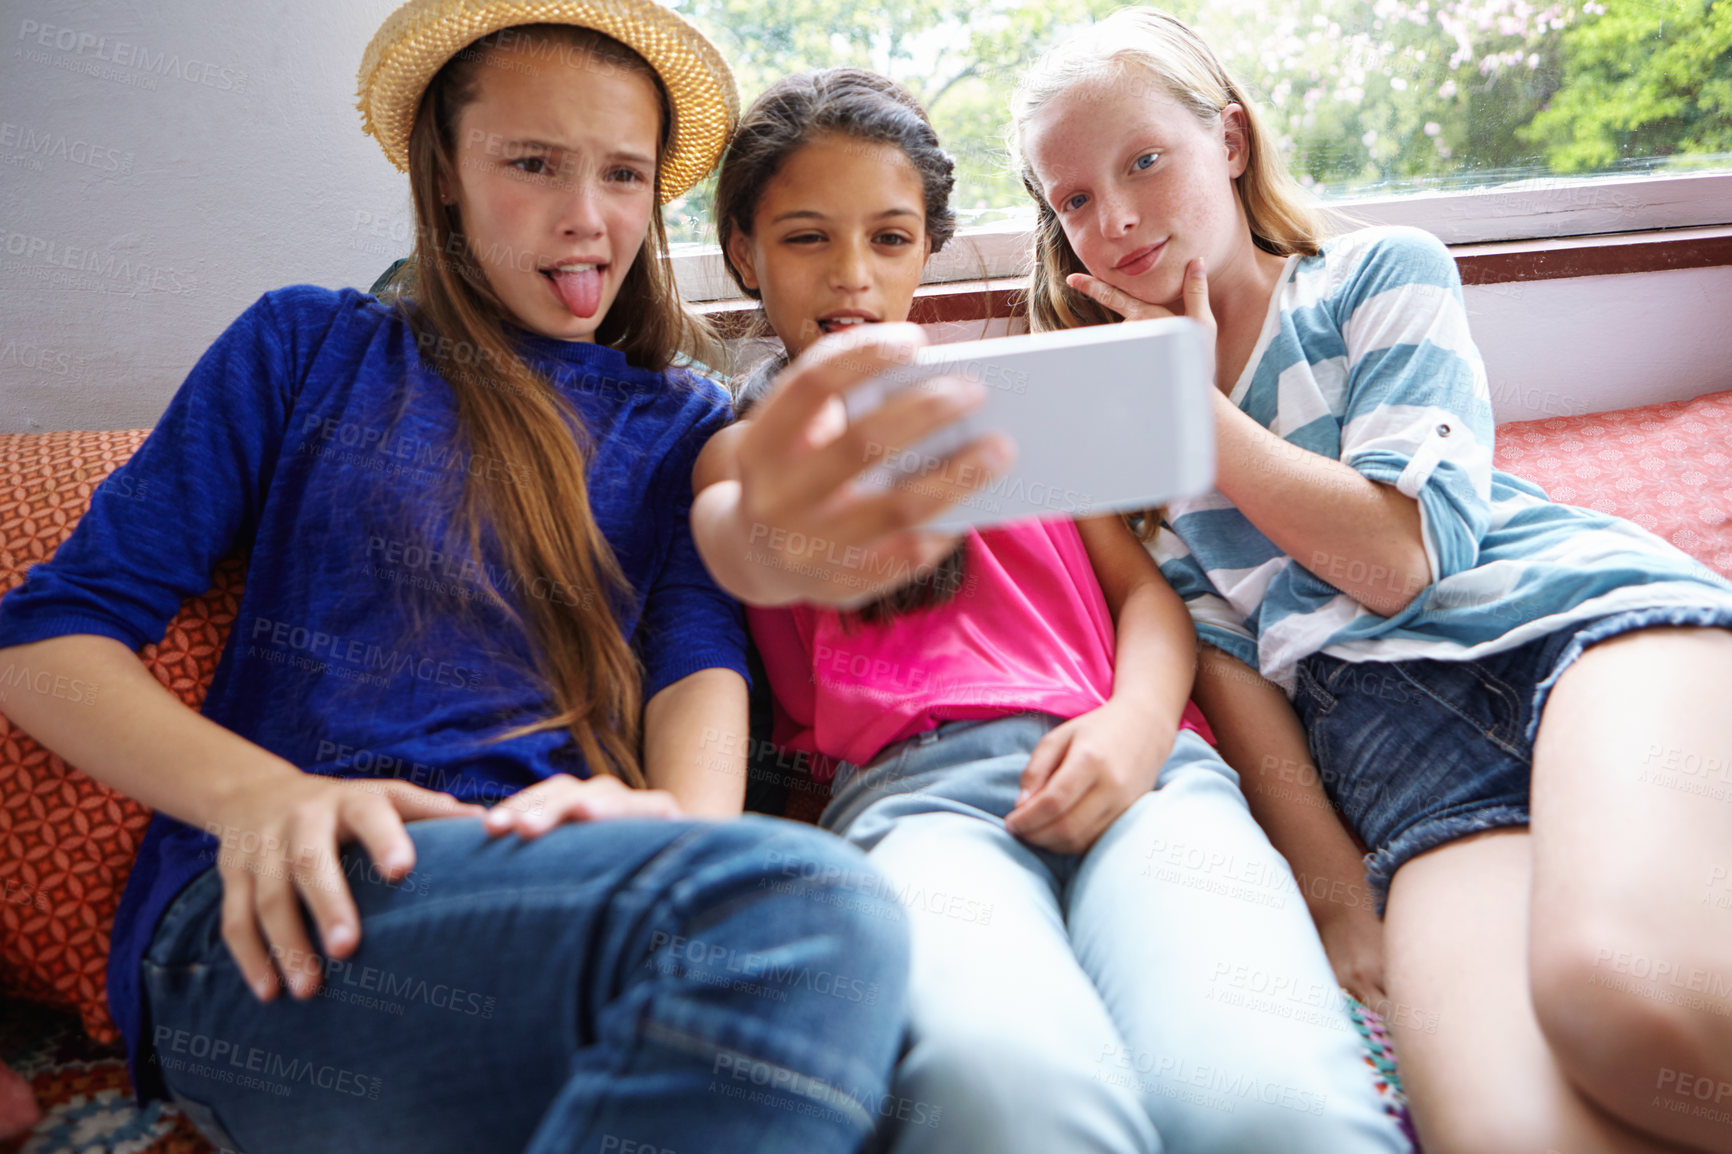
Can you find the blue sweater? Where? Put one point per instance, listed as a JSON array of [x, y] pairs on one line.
[[311, 435]]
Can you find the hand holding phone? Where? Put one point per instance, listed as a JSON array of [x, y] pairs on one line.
[[1107, 418]]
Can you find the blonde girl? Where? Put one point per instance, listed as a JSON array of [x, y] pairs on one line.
[[1487, 680]]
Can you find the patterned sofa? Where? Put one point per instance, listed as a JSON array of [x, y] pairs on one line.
[[66, 843]]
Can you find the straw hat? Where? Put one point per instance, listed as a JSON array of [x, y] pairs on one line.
[[418, 38]]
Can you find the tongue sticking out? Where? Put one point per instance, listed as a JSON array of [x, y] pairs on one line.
[[581, 291]]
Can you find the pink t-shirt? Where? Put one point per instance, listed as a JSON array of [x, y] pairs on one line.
[[1028, 630]]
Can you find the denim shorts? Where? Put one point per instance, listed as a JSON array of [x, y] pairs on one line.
[[1418, 753]]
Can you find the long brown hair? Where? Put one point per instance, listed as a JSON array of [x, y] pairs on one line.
[[507, 411]]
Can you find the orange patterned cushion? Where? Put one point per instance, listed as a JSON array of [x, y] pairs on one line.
[[67, 843], [1666, 467]]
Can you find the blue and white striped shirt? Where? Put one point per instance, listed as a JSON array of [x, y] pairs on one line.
[[1365, 356]]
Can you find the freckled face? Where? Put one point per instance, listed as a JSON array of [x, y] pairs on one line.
[[556, 184], [839, 239], [1140, 185]]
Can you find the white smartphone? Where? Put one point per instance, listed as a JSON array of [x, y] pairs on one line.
[[1105, 419]]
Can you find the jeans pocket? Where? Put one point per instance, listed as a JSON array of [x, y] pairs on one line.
[[1505, 706], [190, 926], [1473, 692], [194, 1027]]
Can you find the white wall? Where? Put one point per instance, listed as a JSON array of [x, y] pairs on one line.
[[1555, 348], [162, 163]]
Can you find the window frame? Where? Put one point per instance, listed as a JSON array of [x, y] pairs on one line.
[[1540, 209]]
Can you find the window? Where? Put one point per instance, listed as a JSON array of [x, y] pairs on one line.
[[1481, 120]]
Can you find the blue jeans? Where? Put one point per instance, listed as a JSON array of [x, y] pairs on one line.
[[1164, 991], [611, 987], [1419, 753]]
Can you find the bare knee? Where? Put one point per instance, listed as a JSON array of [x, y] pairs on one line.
[[1629, 1025]]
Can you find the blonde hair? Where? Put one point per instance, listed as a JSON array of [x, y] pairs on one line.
[[1283, 218]]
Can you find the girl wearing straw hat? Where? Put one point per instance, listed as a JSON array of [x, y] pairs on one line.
[[470, 584]]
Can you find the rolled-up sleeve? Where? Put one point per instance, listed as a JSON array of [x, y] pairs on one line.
[[1418, 410]]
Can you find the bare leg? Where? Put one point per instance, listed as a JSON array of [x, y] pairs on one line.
[[1631, 956], [1479, 1074]]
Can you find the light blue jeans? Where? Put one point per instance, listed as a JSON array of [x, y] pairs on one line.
[[1164, 991]]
